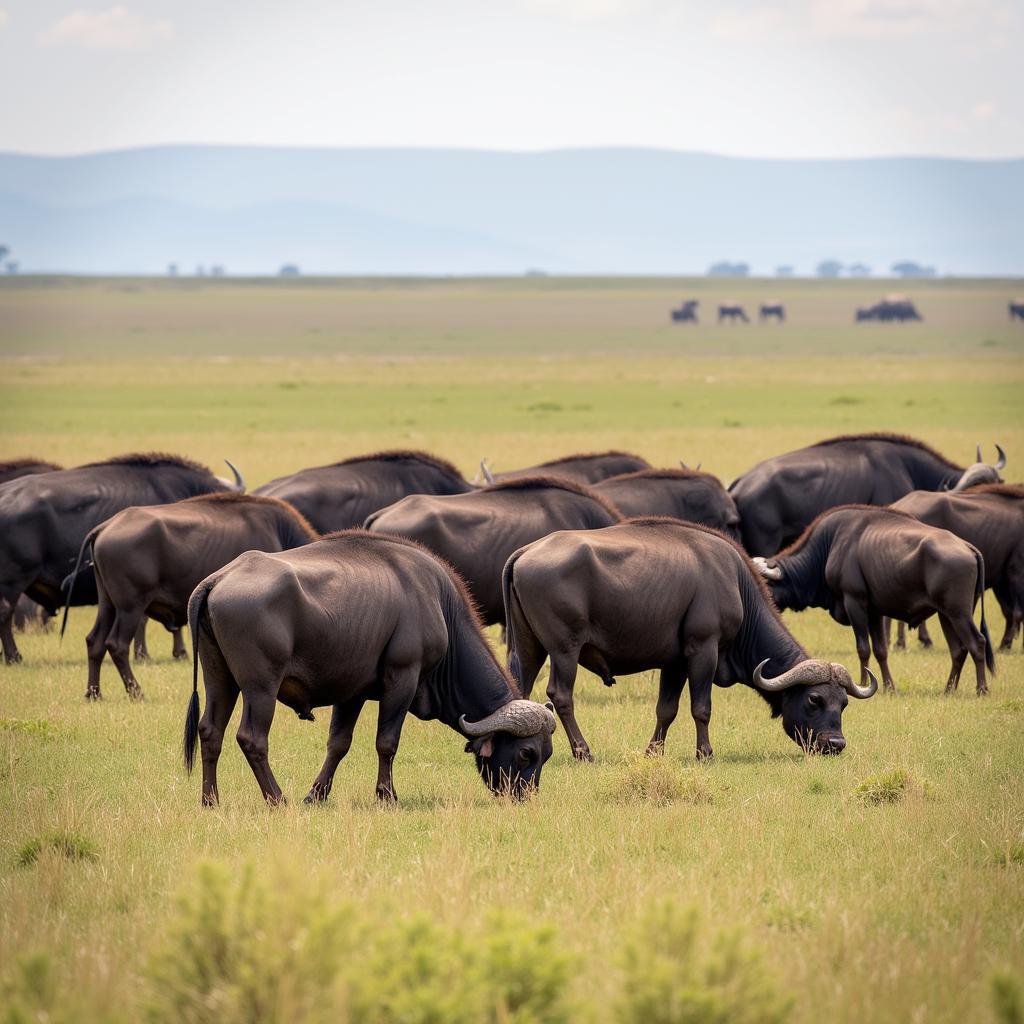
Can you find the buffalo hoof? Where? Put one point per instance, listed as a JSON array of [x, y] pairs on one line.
[[927, 644], [12, 659], [181, 655], [583, 754], [315, 796], [135, 693], [387, 797], [705, 753], [982, 691], [141, 655], [93, 695]]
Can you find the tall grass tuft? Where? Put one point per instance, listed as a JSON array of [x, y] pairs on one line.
[[675, 974], [658, 780]]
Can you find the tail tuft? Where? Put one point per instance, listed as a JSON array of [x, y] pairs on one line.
[[191, 730]]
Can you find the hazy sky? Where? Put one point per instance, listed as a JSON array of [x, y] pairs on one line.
[[775, 78]]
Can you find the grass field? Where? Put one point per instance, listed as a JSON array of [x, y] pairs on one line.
[[896, 905]]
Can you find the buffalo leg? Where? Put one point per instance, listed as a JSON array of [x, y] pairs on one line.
[[96, 644], [343, 724], [876, 630], [923, 636], [11, 653], [178, 649], [957, 654], [258, 706], [118, 644], [857, 614], [141, 650], [670, 689], [702, 665], [972, 639], [560, 687], [1010, 606], [901, 634], [221, 697], [397, 693]]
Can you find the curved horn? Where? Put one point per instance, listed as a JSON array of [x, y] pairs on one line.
[[239, 484], [699, 464], [860, 692], [805, 673], [683, 465], [488, 475], [518, 717], [977, 449], [1001, 462], [769, 572]]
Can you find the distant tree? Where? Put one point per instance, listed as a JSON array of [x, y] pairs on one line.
[[829, 268], [908, 268], [4, 250], [288, 270], [172, 269], [216, 270], [11, 267], [858, 270], [784, 271], [536, 272], [726, 269]]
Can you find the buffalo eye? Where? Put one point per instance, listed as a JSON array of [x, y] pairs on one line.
[[526, 755], [814, 700]]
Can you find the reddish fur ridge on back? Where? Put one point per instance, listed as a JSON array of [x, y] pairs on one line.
[[234, 498], [583, 456], [12, 464], [663, 474], [150, 459], [877, 509], [557, 483], [904, 439], [404, 455], [359, 534], [1006, 490]]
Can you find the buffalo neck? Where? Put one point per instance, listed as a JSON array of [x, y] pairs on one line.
[[928, 472], [762, 635], [803, 570], [467, 680]]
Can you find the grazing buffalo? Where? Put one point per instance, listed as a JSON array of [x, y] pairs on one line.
[[45, 517], [27, 613], [991, 517], [686, 313], [475, 533], [732, 312], [16, 468], [772, 310], [584, 469], [342, 495], [680, 493], [661, 594], [149, 559], [891, 309], [1016, 309], [863, 563], [351, 618], [781, 496]]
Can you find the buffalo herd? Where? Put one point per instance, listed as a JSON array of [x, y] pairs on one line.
[[371, 579]]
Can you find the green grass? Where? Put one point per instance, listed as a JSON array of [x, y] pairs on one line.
[[860, 908]]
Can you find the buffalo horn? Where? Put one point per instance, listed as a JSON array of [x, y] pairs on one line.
[[239, 484], [518, 717], [977, 449], [1001, 463], [813, 672], [488, 475], [769, 572]]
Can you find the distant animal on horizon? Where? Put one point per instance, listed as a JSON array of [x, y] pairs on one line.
[[686, 313], [893, 308], [732, 311], [772, 309], [1016, 308]]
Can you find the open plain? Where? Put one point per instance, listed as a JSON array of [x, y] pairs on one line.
[[886, 884]]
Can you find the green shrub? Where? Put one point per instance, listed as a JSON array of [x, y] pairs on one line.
[[69, 845], [891, 787], [241, 951], [1008, 998], [671, 976], [658, 780]]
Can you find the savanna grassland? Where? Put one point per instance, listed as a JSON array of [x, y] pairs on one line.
[[885, 885]]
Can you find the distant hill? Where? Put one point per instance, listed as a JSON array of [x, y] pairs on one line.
[[423, 211]]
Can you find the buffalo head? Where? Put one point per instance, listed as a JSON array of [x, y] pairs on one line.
[[814, 695], [982, 472], [511, 746]]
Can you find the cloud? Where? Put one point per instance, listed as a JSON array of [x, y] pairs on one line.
[[984, 110], [114, 29], [3, 16], [585, 10]]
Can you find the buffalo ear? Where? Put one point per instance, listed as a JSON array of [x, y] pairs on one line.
[[482, 746]]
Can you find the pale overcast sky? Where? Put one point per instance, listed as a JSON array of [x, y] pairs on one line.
[[786, 78]]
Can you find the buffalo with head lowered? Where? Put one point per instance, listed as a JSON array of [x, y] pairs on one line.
[[661, 594]]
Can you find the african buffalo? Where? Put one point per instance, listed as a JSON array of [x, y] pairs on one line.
[[45, 517], [893, 308], [1016, 309], [686, 313], [991, 517], [680, 493], [149, 559], [475, 533], [863, 563], [732, 312], [343, 494], [350, 618], [781, 496], [584, 469], [16, 468], [656, 593], [769, 310]]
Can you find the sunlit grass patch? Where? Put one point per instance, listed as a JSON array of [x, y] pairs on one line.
[[890, 787], [640, 778], [69, 845], [29, 727]]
